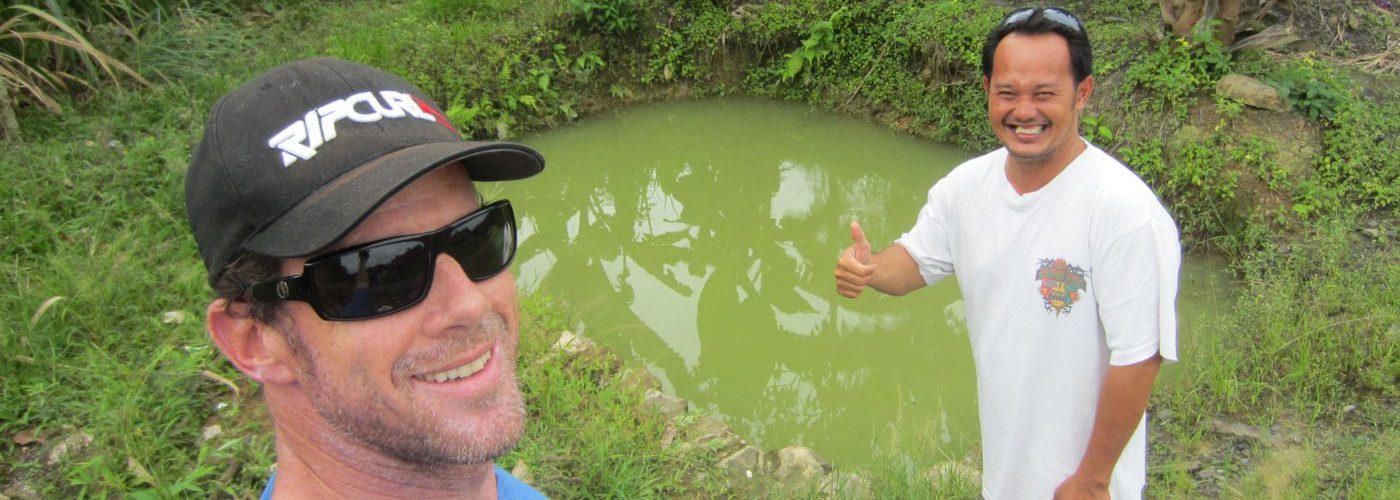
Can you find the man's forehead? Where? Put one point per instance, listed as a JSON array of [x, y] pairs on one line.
[[446, 186], [1032, 49]]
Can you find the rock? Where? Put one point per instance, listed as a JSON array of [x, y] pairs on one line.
[[573, 345], [26, 438], [796, 465], [712, 432], [668, 435], [669, 406], [639, 379], [174, 317], [1238, 430], [21, 491], [742, 464], [521, 471], [844, 485], [69, 446], [210, 432], [1251, 92], [955, 472]]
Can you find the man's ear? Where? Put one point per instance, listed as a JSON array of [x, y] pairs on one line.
[[1082, 93], [257, 349]]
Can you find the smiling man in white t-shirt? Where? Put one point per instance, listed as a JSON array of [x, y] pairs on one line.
[[1068, 267]]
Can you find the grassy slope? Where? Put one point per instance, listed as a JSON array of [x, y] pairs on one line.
[[97, 218]]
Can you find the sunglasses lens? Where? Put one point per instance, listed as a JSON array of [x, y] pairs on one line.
[[1018, 16], [1055, 15], [373, 281], [1063, 18], [484, 245]]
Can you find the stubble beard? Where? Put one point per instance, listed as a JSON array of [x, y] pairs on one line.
[[421, 436]]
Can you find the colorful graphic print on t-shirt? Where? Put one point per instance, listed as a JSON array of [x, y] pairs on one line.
[[1060, 284]]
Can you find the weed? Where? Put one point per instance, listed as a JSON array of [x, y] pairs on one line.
[[606, 17], [1177, 69], [1096, 131], [1307, 89], [820, 39]]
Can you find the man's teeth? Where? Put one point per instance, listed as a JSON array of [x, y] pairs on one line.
[[1030, 130], [466, 370]]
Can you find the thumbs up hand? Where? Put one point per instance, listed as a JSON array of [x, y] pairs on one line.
[[854, 269]]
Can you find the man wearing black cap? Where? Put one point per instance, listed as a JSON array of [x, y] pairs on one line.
[[362, 282], [1067, 264]]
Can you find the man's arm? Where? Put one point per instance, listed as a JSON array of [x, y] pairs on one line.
[[1122, 401], [892, 271]]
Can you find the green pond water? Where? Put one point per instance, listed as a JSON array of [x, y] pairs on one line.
[[698, 238]]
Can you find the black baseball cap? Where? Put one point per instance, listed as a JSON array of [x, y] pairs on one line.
[[293, 160]]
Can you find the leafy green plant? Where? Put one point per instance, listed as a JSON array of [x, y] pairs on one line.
[[1177, 69], [1095, 130], [1308, 92], [606, 17], [821, 37]]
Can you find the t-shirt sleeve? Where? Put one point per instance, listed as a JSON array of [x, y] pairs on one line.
[[1135, 282], [927, 242]]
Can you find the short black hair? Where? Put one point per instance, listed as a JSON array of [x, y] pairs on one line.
[[235, 285], [1081, 55]]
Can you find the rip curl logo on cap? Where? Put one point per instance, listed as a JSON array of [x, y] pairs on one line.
[[1060, 284], [301, 139]]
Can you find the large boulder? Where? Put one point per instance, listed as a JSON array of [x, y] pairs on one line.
[[795, 466], [638, 379], [844, 485], [572, 346], [711, 432], [73, 445], [1251, 92], [669, 406], [742, 464]]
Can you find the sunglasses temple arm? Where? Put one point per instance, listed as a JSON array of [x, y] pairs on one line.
[[289, 288]]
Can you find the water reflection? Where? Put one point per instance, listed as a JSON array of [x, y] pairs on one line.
[[698, 238]]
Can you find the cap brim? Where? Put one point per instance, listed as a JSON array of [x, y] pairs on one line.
[[332, 211]]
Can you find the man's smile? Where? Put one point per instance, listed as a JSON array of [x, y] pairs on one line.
[[1029, 130], [463, 371]]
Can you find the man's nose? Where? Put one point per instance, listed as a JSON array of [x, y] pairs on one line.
[[1023, 108], [454, 300]]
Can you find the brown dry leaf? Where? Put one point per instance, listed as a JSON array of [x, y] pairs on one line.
[[138, 470], [26, 438], [44, 307], [220, 379]]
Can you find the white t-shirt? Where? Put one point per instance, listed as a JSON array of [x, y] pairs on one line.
[[1058, 284]]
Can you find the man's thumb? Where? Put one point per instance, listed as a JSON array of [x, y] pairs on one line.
[[862, 246]]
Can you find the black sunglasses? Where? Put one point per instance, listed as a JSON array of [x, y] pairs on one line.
[[387, 276], [1054, 14]]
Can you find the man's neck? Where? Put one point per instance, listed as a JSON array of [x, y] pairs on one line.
[[1027, 177], [321, 464]]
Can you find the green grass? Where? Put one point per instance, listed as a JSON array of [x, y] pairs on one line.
[[94, 215]]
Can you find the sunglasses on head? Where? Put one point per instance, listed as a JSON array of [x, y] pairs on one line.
[[1053, 14], [387, 276]]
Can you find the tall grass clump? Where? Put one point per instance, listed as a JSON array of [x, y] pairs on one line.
[[1312, 331], [42, 55]]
